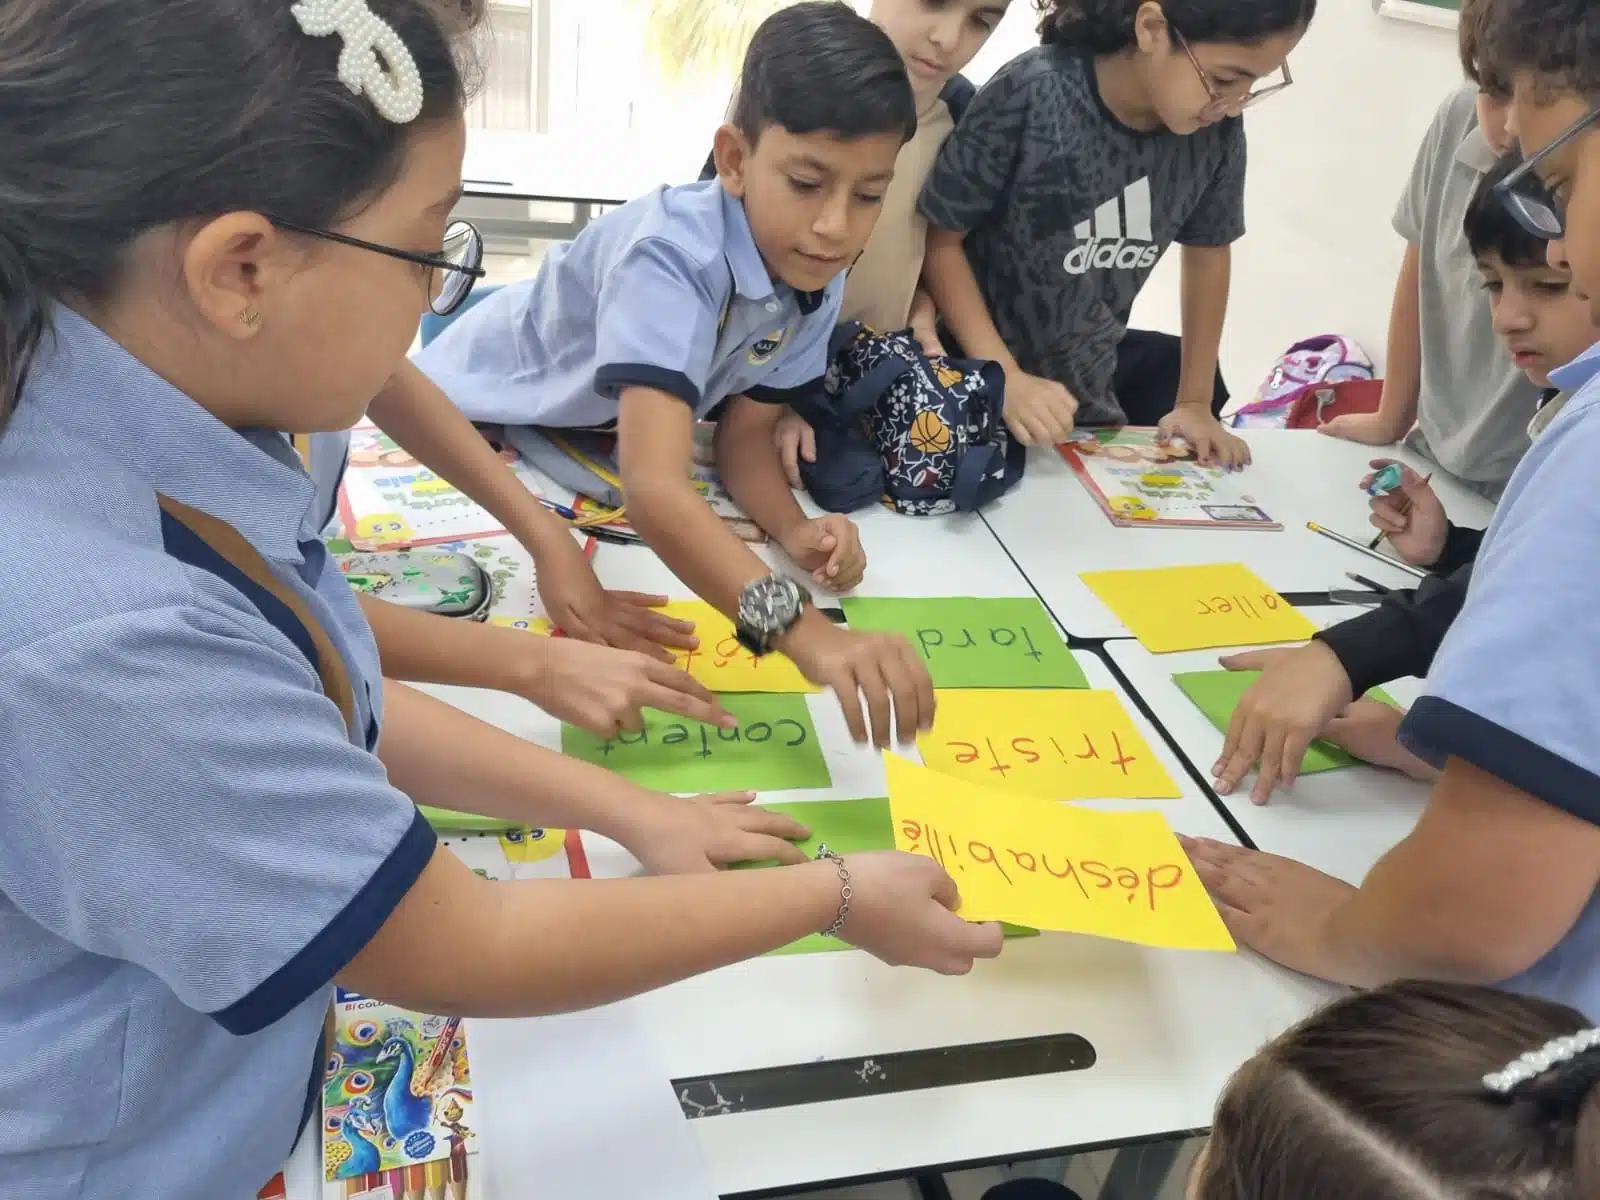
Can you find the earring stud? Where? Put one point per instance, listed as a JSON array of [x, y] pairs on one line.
[[249, 318]]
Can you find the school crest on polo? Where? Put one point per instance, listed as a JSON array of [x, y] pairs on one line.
[[762, 350]]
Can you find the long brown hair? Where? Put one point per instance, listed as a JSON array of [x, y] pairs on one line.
[[1380, 1096]]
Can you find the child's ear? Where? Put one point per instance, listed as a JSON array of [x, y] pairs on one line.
[[731, 150], [1150, 31], [231, 266]]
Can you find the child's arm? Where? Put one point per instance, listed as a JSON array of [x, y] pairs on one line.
[[416, 413], [594, 687], [974, 178], [924, 320], [1402, 374], [751, 469], [1203, 306], [1039, 411], [536, 947], [655, 439]]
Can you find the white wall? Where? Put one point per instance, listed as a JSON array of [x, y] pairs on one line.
[[1328, 159]]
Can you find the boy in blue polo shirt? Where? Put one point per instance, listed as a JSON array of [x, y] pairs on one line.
[[718, 298], [1497, 882]]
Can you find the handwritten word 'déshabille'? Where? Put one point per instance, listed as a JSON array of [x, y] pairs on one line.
[[788, 732], [1141, 885], [1245, 606], [1026, 749], [929, 640]]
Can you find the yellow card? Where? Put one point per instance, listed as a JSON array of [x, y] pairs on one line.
[[1059, 744], [1052, 866], [539, 625], [722, 664], [1195, 608]]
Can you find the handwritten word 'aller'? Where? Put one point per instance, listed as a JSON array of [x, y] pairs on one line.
[[1244, 605]]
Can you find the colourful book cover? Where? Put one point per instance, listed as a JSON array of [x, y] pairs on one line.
[[1139, 481], [397, 1106]]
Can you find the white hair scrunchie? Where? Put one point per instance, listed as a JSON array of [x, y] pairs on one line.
[[374, 61]]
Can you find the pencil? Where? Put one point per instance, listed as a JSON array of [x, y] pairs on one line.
[[1373, 584], [437, 1175], [416, 1182], [1352, 544], [458, 1173]]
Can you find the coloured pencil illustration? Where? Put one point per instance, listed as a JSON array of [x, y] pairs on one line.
[[1139, 480], [396, 1094]]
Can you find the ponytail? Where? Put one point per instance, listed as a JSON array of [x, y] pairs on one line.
[[1099, 26], [21, 325], [1586, 1149], [1107, 26]]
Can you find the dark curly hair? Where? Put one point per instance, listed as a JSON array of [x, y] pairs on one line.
[[1556, 41], [1106, 26]]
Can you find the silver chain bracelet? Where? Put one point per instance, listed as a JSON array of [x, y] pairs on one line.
[[846, 892]]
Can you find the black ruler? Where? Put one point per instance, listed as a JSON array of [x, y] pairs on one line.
[[902, 1071]]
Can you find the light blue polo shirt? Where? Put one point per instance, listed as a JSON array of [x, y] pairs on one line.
[[194, 832], [669, 291], [1515, 688]]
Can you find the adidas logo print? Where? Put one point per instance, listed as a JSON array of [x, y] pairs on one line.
[[1118, 236]]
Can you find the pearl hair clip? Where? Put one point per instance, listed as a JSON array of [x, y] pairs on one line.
[[373, 61], [1536, 1062]]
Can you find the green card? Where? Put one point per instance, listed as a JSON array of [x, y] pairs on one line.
[[1217, 694], [774, 748], [847, 827], [446, 820], [971, 643]]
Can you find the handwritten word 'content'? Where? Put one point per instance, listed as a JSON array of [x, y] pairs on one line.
[[703, 740], [1133, 885]]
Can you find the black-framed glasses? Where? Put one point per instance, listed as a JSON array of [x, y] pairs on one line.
[[1527, 199], [453, 271], [1222, 105]]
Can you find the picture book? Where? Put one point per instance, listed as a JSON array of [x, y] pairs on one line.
[[1139, 481], [389, 500], [397, 1111]]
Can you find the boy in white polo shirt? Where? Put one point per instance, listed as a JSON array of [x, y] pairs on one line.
[[1450, 389], [718, 298]]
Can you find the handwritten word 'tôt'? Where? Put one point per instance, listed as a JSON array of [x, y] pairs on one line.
[[1138, 884], [790, 733], [929, 640], [1245, 606], [1027, 749], [728, 650]]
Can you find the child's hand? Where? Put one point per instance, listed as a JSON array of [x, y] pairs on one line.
[[604, 691], [1212, 444], [1369, 729], [795, 439], [672, 835], [928, 338], [1039, 412], [881, 665], [1412, 516], [830, 548], [1283, 712], [906, 911], [582, 609], [1370, 429]]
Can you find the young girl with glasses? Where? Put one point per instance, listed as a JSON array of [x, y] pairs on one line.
[[1069, 176], [185, 677]]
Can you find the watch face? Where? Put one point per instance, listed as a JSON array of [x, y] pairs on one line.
[[769, 606]]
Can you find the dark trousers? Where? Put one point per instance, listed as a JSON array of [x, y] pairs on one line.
[[1146, 379]]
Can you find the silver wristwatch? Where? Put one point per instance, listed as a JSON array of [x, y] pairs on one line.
[[768, 609]]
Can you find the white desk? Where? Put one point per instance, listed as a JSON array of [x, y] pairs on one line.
[[1340, 822], [1168, 1027], [1055, 530]]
